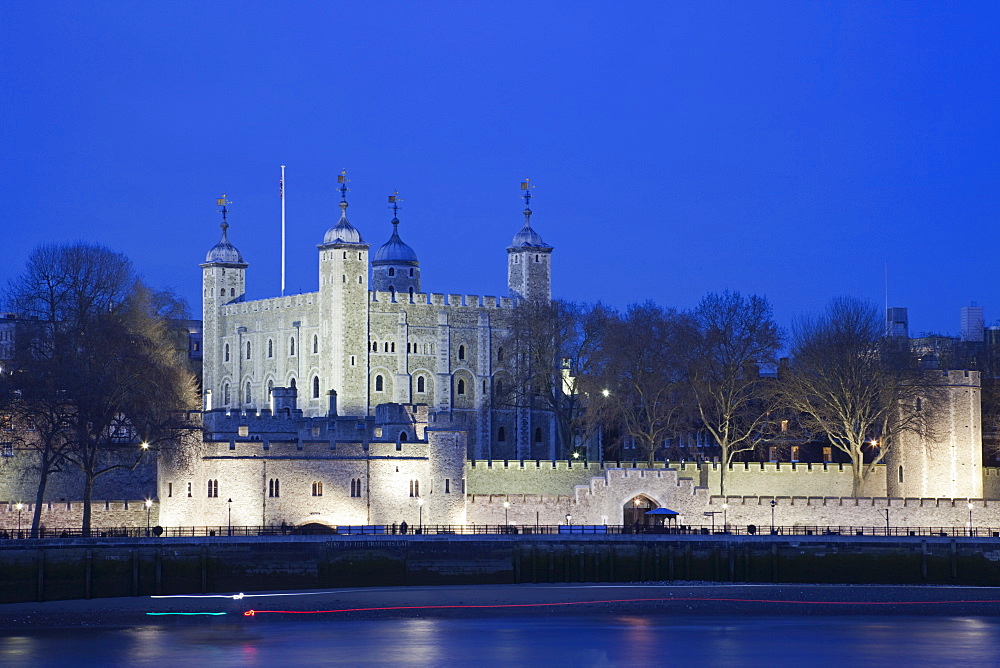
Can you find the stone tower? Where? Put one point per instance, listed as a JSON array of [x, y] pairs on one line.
[[343, 306], [395, 268], [944, 458], [223, 281], [529, 261]]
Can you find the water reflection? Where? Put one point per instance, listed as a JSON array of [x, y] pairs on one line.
[[633, 640]]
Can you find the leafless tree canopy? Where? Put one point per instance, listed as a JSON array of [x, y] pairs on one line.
[[850, 382], [94, 353], [734, 337]]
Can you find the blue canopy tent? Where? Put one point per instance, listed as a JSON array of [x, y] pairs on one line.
[[661, 515]]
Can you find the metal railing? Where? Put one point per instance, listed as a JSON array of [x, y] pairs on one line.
[[501, 529]]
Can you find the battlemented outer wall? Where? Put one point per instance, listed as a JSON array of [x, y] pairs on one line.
[[56, 515], [786, 479], [542, 476]]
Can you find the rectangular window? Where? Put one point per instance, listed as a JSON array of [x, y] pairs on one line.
[[170, 489], [447, 486], [189, 490], [784, 425], [827, 455], [795, 453], [773, 453]]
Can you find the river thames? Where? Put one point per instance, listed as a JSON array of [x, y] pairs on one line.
[[529, 626]]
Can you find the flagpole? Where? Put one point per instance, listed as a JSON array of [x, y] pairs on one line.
[[281, 192]]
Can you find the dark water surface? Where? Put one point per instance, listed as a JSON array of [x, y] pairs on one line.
[[591, 640]]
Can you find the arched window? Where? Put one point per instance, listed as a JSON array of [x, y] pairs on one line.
[[385, 346], [461, 387], [501, 434], [292, 384], [227, 352], [248, 350], [232, 292], [411, 276], [315, 387], [536, 258], [270, 388], [379, 383], [461, 352], [420, 384], [920, 407], [315, 344], [392, 347], [392, 271], [538, 434], [414, 488], [273, 488], [222, 293], [248, 398], [291, 346], [356, 487], [374, 346], [213, 489], [225, 394], [402, 436], [270, 348], [317, 488], [500, 354], [900, 474]]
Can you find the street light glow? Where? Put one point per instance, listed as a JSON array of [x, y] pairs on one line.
[[144, 445], [606, 392]]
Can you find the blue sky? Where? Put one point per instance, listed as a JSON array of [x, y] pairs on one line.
[[789, 149]]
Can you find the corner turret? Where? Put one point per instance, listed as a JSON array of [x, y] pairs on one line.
[[529, 260]]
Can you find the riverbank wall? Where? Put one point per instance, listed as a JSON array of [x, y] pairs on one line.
[[96, 568]]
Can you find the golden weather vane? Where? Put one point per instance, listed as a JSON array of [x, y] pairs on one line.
[[526, 187], [394, 200], [343, 181], [224, 202]]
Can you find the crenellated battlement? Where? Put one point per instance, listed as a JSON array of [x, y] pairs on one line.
[[271, 304], [440, 299]]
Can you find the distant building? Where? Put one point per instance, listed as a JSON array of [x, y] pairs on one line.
[[972, 323], [897, 322]]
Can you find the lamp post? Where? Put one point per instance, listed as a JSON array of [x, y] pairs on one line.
[[420, 505], [19, 507], [970, 518], [230, 526], [506, 508], [773, 504], [886, 521], [725, 517], [569, 520], [149, 504]]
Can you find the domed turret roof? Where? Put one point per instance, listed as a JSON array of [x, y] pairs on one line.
[[343, 232], [395, 251], [527, 237], [224, 251]]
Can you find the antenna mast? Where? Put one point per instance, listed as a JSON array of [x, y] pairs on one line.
[[281, 195]]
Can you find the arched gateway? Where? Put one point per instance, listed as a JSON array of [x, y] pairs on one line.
[[635, 509]]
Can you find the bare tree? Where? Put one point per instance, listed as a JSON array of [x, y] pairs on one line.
[[850, 382], [549, 346], [100, 346], [734, 337], [640, 383]]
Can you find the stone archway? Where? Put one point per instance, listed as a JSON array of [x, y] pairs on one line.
[[635, 509]]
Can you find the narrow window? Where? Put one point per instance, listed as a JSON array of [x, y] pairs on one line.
[[222, 293], [170, 489], [392, 347], [402, 436], [411, 488], [501, 434], [270, 348], [345, 255], [291, 346], [352, 487], [772, 453], [270, 487], [827, 454], [227, 352], [232, 292], [315, 387], [538, 434], [500, 354], [784, 425], [317, 488], [385, 347], [359, 279], [189, 490], [248, 350], [270, 388], [345, 278], [795, 453], [461, 386], [537, 259], [248, 399], [900, 474], [374, 346], [416, 488], [292, 384], [461, 352], [420, 384], [411, 276], [378, 383], [392, 272], [315, 344], [447, 485], [225, 394], [920, 407]]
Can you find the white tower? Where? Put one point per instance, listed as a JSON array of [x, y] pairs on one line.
[[529, 260], [223, 281]]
